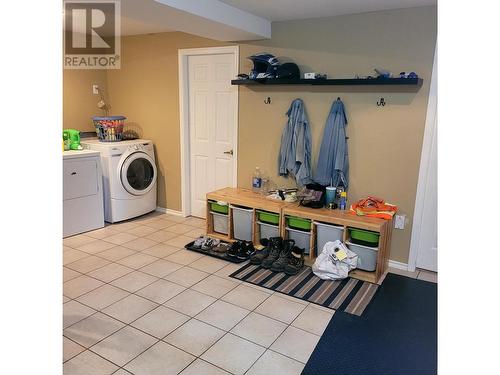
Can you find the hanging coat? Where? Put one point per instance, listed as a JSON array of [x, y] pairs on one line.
[[295, 149], [333, 162]]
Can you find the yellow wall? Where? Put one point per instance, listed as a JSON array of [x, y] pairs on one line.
[[146, 91], [79, 104], [385, 142]]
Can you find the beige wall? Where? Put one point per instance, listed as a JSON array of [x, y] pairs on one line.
[[146, 91], [79, 103], [384, 144]]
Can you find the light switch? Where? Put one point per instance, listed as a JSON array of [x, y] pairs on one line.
[[399, 221]]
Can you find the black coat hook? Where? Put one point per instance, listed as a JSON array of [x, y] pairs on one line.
[[381, 102], [268, 100]]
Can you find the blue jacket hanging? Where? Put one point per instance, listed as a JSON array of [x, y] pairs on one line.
[[333, 160], [295, 148]]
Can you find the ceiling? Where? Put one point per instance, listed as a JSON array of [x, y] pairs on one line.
[[243, 18], [285, 10]]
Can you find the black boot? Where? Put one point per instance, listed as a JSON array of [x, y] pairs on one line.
[[295, 261], [280, 263], [274, 252], [264, 253]]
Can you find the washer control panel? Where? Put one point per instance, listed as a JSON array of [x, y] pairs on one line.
[[144, 147]]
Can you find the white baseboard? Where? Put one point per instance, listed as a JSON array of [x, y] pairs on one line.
[[169, 211], [398, 265]]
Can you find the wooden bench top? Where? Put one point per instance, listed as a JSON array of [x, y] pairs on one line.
[[246, 197]]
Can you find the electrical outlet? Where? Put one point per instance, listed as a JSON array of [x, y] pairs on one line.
[[399, 221], [95, 89]]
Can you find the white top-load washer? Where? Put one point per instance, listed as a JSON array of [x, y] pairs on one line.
[[129, 177]]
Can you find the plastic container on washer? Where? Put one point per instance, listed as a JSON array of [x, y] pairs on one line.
[[221, 222], [367, 256], [268, 230], [242, 223], [327, 233], [302, 238]]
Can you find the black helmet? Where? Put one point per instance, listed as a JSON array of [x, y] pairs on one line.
[[264, 66], [288, 70]]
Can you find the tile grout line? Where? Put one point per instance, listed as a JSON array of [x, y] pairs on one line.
[[190, 318]]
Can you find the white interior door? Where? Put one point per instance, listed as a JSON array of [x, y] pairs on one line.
[[212, 120], [424, 240], [427, 250]]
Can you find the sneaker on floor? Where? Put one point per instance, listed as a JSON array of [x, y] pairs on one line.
[[295, 261], [221, 248], [198, 242], [246, 250], [280, 263], [262, 254], [234, 249], [274, 253], [209, 243]]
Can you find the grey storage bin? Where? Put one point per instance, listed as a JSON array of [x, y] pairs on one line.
[[367, 256], [268, 230], [327, 233], [302, 238], [221, 222], [242, 223]]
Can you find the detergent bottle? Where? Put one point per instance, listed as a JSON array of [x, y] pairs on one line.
[[343, 200], [71, 138]]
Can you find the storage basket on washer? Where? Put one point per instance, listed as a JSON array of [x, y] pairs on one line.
[[109, 128]]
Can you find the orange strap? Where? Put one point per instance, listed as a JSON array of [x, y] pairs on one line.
[[373, 207]]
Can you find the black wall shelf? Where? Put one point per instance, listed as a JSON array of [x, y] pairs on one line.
[[408, 82]]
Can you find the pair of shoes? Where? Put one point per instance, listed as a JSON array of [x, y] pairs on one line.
[[282, 256], [295, 261], [279, 250], [198, 242], [279, 264], [221, 248], [241, 250], [273, 242], [209, 243]]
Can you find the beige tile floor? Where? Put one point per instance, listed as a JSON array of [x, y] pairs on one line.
[[136, 302]]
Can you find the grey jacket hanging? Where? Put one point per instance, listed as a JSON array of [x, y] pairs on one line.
[[333, 160], [295, 148]]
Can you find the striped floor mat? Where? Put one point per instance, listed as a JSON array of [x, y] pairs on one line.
[[349, 295]]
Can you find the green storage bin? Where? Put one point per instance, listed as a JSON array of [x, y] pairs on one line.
[[364, 237], [268, 217], [298, 223], [220, 208]]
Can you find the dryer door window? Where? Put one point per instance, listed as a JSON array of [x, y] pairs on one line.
[[138, 173]]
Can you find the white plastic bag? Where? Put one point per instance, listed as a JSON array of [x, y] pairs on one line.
[[327, 267]]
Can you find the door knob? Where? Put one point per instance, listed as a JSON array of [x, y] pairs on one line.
[[230, 152]]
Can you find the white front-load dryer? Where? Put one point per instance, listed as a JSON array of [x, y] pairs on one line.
[[129, 177]]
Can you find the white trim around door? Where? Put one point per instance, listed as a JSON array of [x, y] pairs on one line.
[[184, 118], [430, 124]]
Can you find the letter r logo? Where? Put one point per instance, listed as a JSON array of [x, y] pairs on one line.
[[89, 27]]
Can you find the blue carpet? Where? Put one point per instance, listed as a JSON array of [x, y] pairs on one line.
[[397, 334]]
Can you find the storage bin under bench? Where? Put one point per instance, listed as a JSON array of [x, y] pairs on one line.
[[325, 225]]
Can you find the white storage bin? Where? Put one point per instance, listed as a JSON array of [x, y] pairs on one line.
[[367, 256], [302, 238], [242, 223], [327, 233], [268, 230], [221, 222]]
